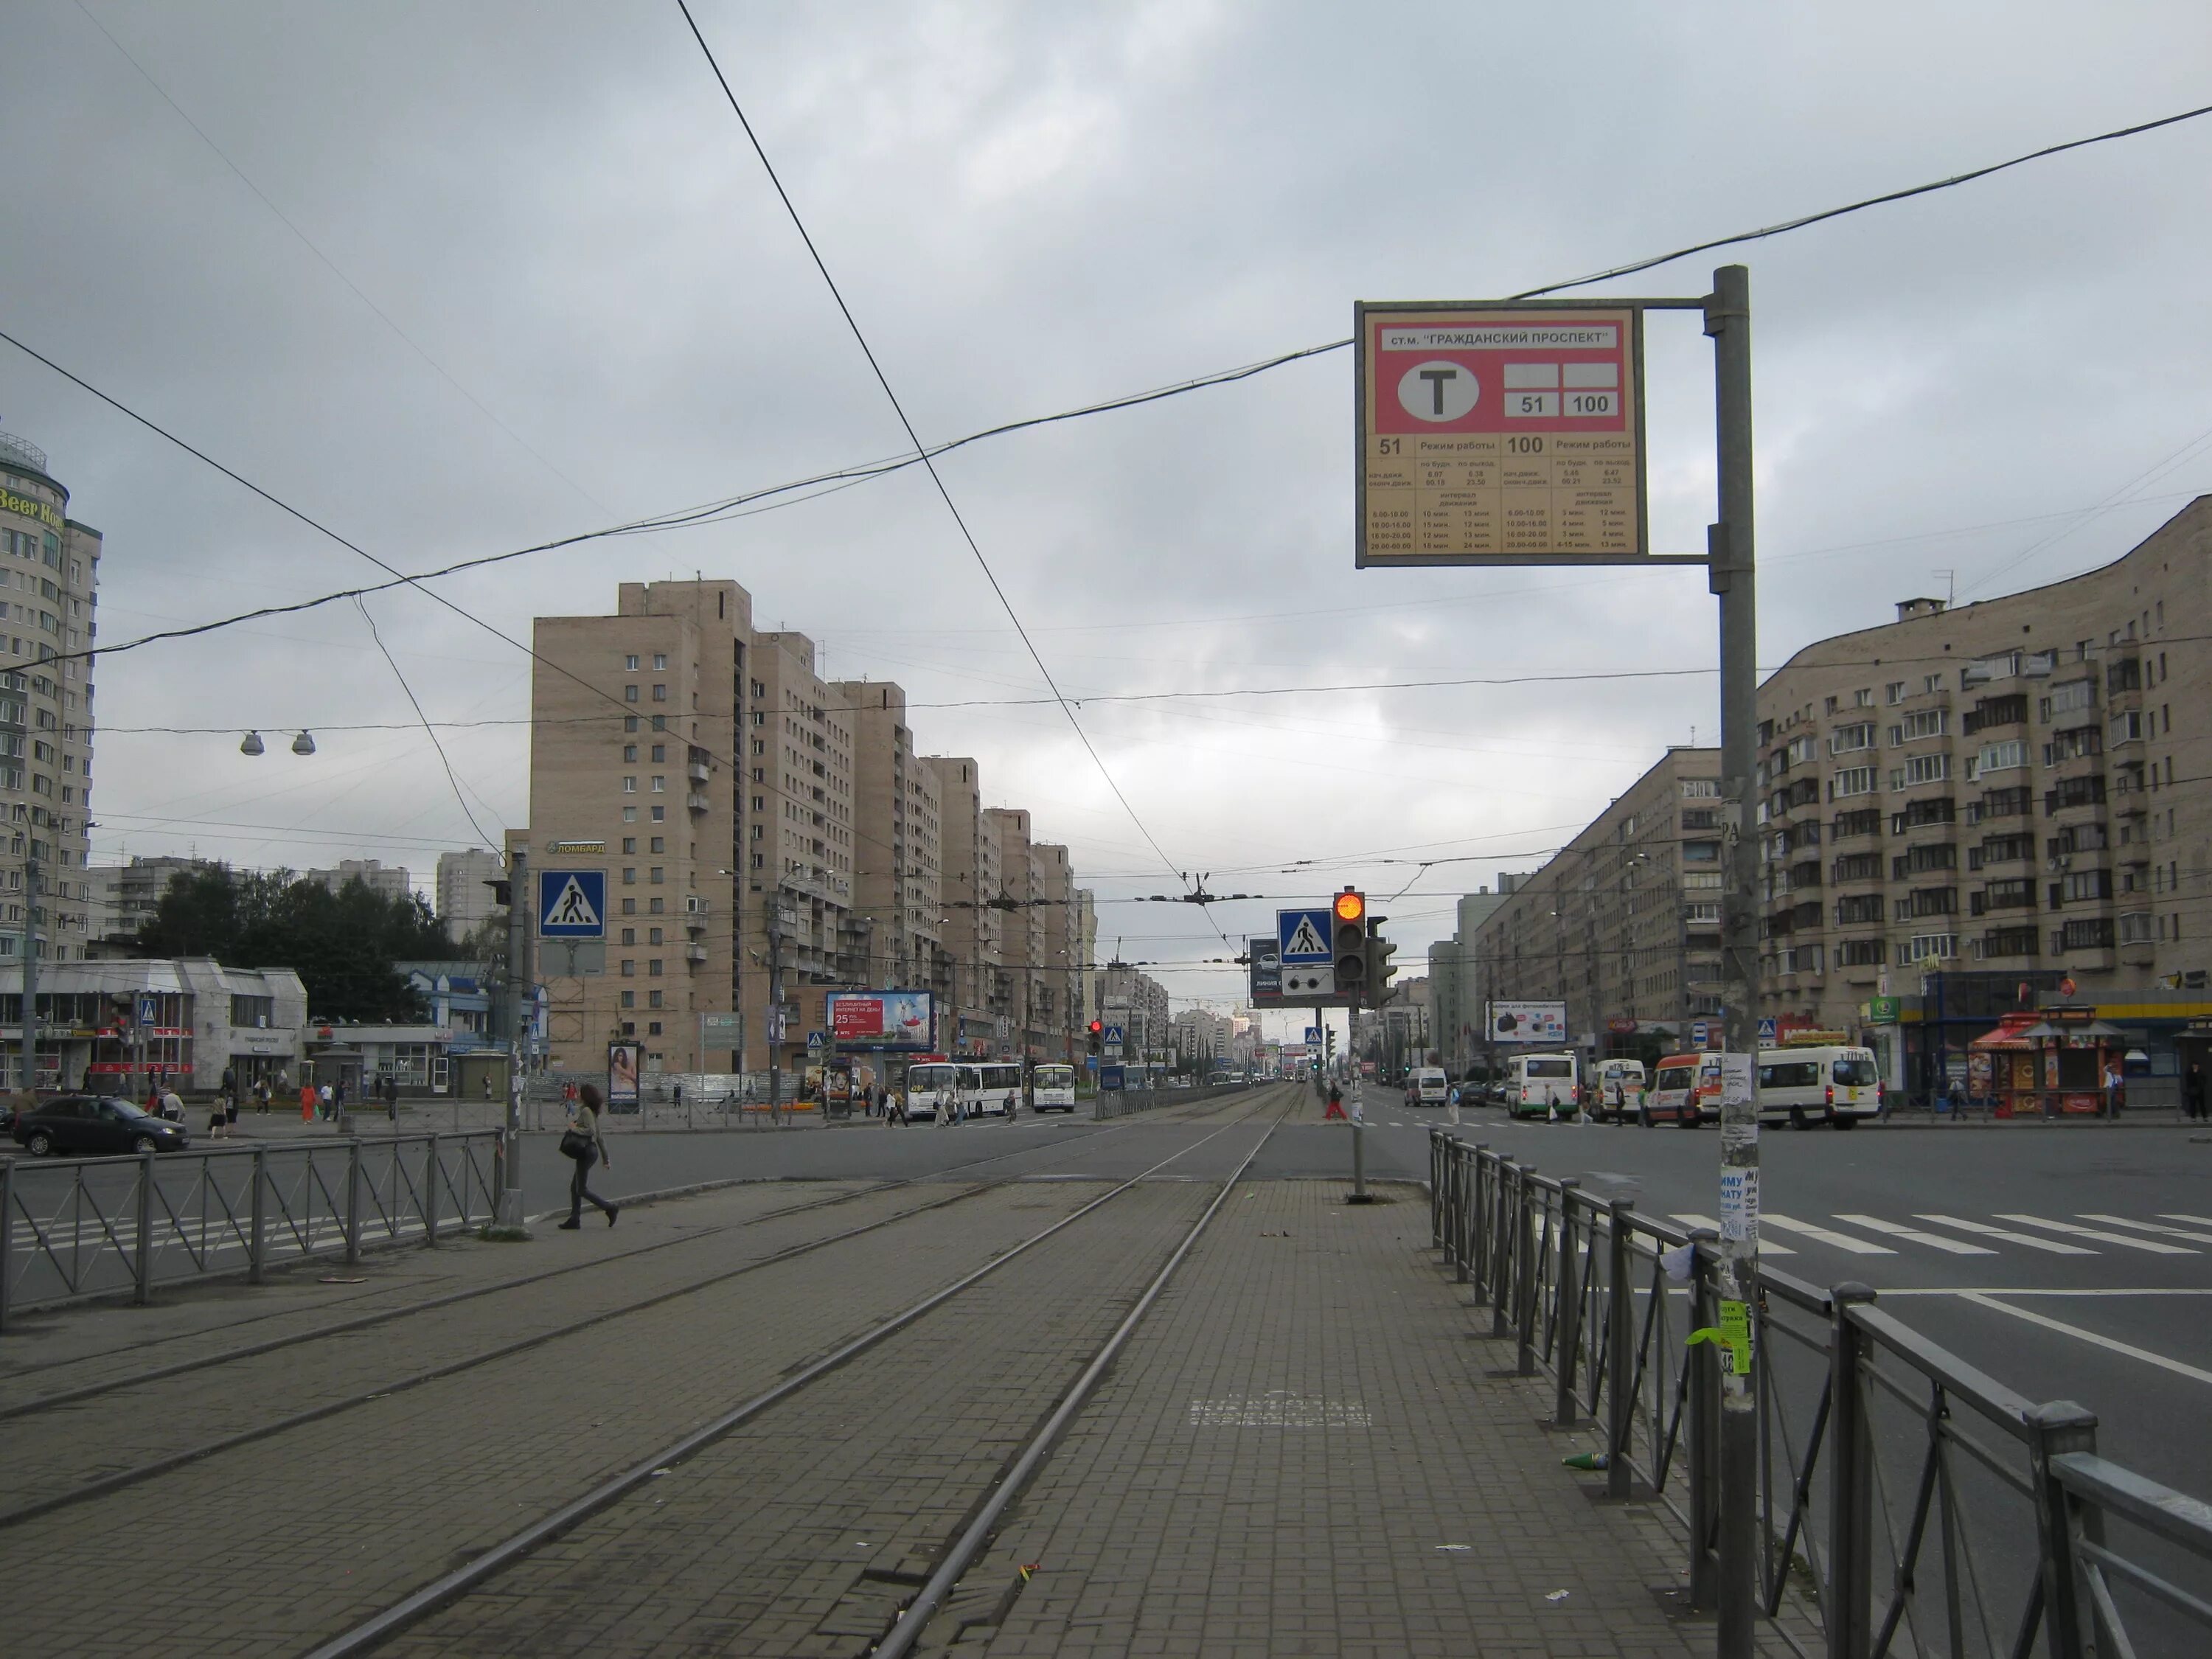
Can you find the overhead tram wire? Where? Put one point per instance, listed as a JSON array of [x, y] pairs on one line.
[[915, 438], [428, 730], [922, 454]]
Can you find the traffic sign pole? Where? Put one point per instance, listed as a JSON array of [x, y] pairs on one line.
[[507, 1208], [1732, 576]]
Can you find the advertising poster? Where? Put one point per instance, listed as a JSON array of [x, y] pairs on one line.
[[1528, 1022], [624, 1059], [891, 1020]]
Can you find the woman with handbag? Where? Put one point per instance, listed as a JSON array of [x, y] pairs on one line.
[[582, 1144]]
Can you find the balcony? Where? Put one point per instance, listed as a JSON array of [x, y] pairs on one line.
[[697, 771], [695, 953], [698, 802]]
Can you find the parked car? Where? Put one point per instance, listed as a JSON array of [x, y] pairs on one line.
[[93, 1125]]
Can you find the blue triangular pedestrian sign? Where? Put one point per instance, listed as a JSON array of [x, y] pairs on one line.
[[572, 903]]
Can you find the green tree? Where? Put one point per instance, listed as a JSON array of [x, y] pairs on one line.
[[341, 943]]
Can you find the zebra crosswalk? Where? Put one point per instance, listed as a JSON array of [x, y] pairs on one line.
[[1859, 1234]]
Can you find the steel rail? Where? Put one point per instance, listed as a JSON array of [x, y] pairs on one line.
[[272, 1344], [380, 1627], [138, 1473], [902, 1635]]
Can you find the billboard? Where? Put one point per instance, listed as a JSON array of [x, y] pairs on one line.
[[881, 1019], [1528, 1022], [624, 1061], [1267, 971]]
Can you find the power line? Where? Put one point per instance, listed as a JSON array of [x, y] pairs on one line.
[[922, 454], [915, 438], [428, 730]]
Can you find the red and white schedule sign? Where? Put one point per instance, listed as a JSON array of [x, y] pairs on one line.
[[1500, 435]]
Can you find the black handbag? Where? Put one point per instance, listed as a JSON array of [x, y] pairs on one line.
[[574, 1143]]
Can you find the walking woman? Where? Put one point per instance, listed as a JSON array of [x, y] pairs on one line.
[[582, 1143]]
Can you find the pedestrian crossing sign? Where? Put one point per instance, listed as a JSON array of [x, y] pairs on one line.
[[572, 903], [1304, 936]]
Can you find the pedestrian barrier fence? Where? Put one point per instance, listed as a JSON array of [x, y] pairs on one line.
[[1125, 1102], [1922, 1507], [73, 1228]]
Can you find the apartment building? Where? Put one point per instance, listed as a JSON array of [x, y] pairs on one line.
[[2012, 791], [1021, 929], [643, 731], [897, 851], [384, 880], [1055, 1000], [121, 898], [1623, 924], [1454, 986], [465, 898], [49, 590], [1137, 1002], [970, 925]]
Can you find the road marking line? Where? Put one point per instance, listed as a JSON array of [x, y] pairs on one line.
[[2149, 1246], [1841, 1241], [1899, 1230], [1764, 1249], [2149, 1227], [2051, 1245], [2200, 1220], [2113, 1344]]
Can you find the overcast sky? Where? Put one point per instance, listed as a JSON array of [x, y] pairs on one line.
[[534, 281]]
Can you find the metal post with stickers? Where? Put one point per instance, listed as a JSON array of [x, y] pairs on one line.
[[1511, 433]]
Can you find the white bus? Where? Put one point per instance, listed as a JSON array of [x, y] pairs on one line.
[[1052, 1088], [994, 1087], [930, 1084]]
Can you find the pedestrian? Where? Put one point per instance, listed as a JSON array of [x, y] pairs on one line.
[[172, 1105], [337, 1098], [322, 1100], [309, 1100], [675, 1096], [261, 1097], [583, 1144], [1335, 1103], [218, 1120], [229, 1080], [1451, 1100], [2193, 1092], [230, 1110], [2115, 1088], [392, 1097], [1956, 1098]]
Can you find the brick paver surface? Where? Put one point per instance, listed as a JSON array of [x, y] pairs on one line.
[[267, 1548], [759, 1545], [1302, 1451]]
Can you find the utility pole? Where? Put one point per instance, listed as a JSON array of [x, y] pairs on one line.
[[507, 1210], [30, 980], [775, 1034], [1728, 321]]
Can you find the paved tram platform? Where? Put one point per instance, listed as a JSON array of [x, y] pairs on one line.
[[1309, 1444]]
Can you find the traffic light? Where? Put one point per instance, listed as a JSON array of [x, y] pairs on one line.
[[1349, 949], [1097, 1033], [1379, 952], [1328, 1045]]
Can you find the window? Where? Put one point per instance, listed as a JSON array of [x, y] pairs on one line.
[[1859, 866], [629, 999], [659, 753], [2135, 929], [661, 694], [1893, 692], [653, 875], [1701, 789], [652, 998], [629, 967], [629, 936], [653, 936], [629, 722], [629, 843], [653, 967], [656, 844], [661, 722], [1701, 852], [1853, 781], [1858, 910], [629, 907], [653, 1028], [1933, 683], [660, 659], [630, 815], [1926, 723], [630, 875], [1927, 769], [2066, 699], [1845, 739], [1859, 953], [660, 783], [630, 664], [2124, 728], [1863, 697], [661, 814], [2002, 757], [2088, 933], [1702, 910], [1921, 946], [629, 695], [2078, 886], [629, 784]]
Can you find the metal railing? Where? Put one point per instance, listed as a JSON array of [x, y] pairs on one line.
[[76, 1228], [1921, 1507], [1127, 1102]]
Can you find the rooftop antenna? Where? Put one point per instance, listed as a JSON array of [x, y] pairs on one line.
[[1950, 588]]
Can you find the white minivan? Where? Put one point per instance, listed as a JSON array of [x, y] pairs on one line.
[[1616, 1090], [1805, 1086], [1427, 1085], [1537, 1084]]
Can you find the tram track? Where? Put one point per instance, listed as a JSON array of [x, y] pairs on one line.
[[153, 1468], [958, 1553], [148, 1374]]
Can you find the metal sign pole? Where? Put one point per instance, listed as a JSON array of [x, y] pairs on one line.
[[507, 1210], [1728, 320]]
